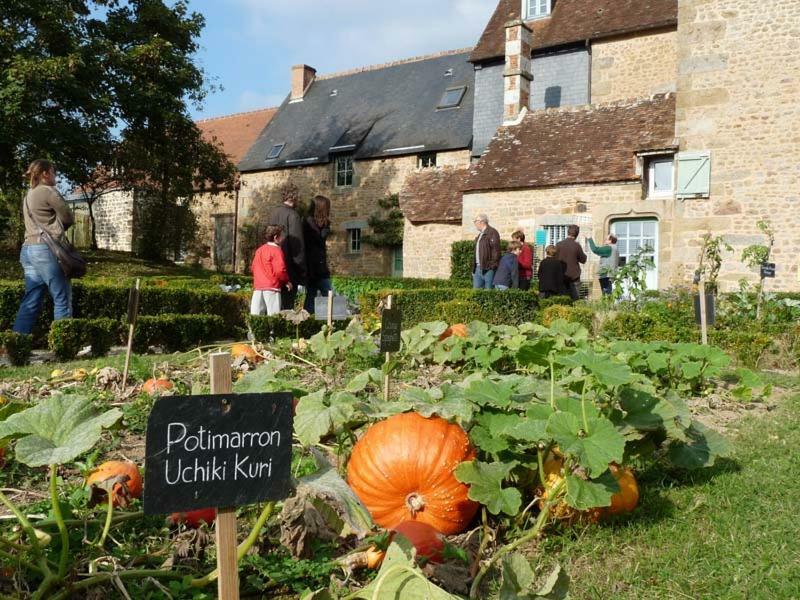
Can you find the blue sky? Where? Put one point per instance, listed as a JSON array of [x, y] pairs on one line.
[[249, 46]]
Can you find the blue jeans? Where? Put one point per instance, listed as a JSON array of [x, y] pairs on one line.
[[323, 286], [483, 279], [42, 273]]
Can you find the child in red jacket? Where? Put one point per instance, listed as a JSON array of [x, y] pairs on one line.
[[269, 274]]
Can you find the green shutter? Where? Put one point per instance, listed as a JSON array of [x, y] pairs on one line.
[[694, 175]]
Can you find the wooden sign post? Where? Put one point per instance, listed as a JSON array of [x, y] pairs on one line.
[[133, 312], [330, 311], [218, 451], [703, 315], [391, 326]]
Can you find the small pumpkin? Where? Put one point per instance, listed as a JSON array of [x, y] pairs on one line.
[[194, 518], [118, 469], [247, 352], [157, 386], [457, 330], [426, 540], [402, 470], [626, 499]]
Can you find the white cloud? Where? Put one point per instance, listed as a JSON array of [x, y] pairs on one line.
[[332, 35]]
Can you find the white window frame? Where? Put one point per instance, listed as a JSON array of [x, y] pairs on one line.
[[354, 240], [427, 156], [536, 14], [651, 160], [554, 233], [342, 169]]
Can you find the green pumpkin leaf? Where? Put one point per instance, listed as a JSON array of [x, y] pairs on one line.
[[702, 448], [691, 370], [489, 393], [594, 449], [584, 495], [318, 415], [362, 380], [519, 579], [486, 486], [262, 379], [57, 430], [483, 439], [605, 369], [536, 354]]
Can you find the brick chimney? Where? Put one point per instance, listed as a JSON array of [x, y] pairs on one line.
[[518, 74], [302, 78]]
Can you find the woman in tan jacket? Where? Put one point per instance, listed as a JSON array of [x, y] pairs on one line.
[[41, 269]]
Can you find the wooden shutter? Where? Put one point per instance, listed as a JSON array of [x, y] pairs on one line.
[[694, 175]]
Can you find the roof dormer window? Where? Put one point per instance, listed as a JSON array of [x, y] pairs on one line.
[[275, 151], [452, 97], [537, 9]]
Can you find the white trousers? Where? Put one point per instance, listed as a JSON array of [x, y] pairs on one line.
[[265, 300]]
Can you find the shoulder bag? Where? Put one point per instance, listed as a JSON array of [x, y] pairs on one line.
[[69, 259]]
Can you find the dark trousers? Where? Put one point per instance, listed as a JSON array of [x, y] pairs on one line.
[[288, 298], [524, 284], [605, 285], [574, 289]]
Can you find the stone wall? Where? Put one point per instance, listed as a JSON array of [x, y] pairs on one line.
[[114, 221], [739, 98], [206, 208], [634, 66], [350, 207], [426, 249]]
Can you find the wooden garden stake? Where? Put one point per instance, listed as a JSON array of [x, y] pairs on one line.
[[330, 311], [227, 564], [388, 358], [133, 311], [703, 316]]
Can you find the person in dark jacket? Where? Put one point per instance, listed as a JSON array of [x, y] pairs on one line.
[[293, 246], [487, 253], [573, 256], [316, 229], [551, 275], [507, 275]]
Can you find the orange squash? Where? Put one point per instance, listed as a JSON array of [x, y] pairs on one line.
[[118, 468], [626, 499], [426, 539], [458, 330], [157, 386], [194, 518], [402, 470], [247, 351]]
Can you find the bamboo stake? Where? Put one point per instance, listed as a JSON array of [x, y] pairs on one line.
[[131, 326], [227, 562], [388, 358]]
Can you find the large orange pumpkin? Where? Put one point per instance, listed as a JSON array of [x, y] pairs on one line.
[[157, 386], [402, 470], [247, 351], [458, 330], [118, 468]]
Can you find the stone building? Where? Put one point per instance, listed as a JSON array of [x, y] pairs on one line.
[[356, 137], [659, 120]]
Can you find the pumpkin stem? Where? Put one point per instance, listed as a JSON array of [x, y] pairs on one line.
[[415, 503]]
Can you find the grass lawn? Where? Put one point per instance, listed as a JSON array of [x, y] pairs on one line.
[[107, 264], [730, 532]]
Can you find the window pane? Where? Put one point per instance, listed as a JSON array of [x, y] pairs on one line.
[[662, 176], [635, 229], [649, 228], [452, 97], [623, 247]]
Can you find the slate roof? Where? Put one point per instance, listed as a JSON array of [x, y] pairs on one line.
[[595, 144], [237, 132], [576, 21], [373, 109], [433, 195]]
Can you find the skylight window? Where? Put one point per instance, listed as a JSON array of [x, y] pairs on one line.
[[275, 151], [452, 97], [537, 9]]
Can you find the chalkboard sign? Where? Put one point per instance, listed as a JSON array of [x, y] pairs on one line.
[[217, 451], [541, 237], [710, 309], [391, 326], [133, 305], [767, 270], [339, 308]]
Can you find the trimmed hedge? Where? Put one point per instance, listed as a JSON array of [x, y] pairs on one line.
[[68, 336], [90, 301], [180, 332], [17, 347], [510, 307], [583, 315], [354, 287], [458, 311], [462, 254]]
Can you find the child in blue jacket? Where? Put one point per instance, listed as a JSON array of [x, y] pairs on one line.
[[507, 275]]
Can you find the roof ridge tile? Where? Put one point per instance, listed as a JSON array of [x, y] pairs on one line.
[[386, 65]]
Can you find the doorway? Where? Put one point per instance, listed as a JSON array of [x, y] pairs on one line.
[[634, 234], [223, 242]]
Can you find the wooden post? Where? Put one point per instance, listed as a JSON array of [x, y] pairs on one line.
[[703, 317], [388, 358], [227, 563], [131, 326], [330, 310]]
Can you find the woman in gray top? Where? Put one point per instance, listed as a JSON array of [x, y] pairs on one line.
[[41, 269]]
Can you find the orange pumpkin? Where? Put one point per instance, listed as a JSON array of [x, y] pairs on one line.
[[402, 470], [194, 518], [458, 330], [118, 468], [626, 499], [426, 539], [247, 351], [157, 386]]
